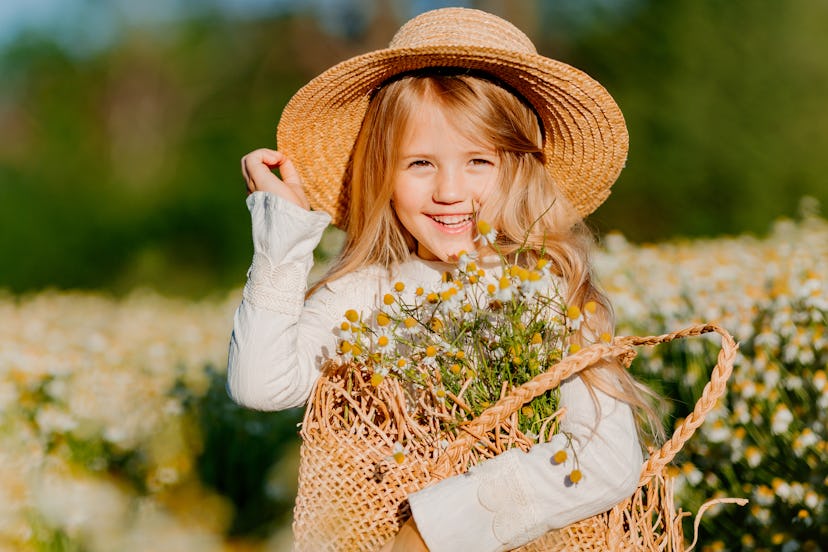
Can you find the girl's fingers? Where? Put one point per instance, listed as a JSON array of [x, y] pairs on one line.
[[257, 170], [289, 174]]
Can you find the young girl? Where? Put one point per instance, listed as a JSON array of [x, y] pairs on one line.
[[404, 148]]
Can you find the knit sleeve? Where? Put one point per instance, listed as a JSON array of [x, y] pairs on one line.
[[269, 366]]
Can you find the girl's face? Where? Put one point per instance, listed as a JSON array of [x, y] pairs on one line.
[[440, 181]]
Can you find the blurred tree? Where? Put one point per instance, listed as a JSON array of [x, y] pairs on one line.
[[725, 105], [119, 167]]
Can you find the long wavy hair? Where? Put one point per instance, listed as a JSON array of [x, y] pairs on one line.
[[532, 219]]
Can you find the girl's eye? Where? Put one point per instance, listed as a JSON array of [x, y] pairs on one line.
[[419, 163], [479, 161]]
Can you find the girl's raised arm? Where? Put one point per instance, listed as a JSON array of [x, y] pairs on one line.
[[269, 366]]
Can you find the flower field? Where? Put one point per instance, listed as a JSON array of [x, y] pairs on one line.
[[116, 433]]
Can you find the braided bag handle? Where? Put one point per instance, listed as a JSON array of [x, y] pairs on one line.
[[622, 349]]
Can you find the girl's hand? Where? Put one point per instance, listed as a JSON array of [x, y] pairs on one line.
[[257, 169], [407, 540]]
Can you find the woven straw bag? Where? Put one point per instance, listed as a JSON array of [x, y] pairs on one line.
[[351, 498]]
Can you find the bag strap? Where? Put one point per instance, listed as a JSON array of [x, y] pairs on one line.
[[622, 349]]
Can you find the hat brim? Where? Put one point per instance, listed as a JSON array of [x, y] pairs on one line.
[[585, 137]]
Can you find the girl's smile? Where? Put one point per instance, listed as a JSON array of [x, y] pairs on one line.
[[441, 179]]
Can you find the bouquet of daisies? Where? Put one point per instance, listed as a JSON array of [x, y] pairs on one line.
[[460, 347]]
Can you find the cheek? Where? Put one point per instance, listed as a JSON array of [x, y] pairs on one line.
[[400, 211], [405, 200], [485, 192]]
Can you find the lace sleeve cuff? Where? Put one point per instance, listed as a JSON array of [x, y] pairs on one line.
[[504, 493], [279, 289]]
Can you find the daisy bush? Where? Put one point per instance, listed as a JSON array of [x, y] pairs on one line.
[[766, 441], [112, 421], [116, 432]]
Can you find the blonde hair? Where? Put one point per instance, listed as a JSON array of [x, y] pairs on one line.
[[532, 219]]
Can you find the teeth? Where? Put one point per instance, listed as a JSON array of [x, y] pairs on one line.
[[451, 219]]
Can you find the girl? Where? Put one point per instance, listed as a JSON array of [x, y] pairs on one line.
[[403, 148]]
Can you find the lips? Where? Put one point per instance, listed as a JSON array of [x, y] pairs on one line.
[[451, 220]]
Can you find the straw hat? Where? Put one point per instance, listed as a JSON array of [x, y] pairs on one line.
[[585, 138]]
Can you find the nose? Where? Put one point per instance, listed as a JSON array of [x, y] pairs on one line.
[[448, 187]]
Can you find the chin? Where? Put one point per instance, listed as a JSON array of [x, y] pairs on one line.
[[446, 252], [450, 256]]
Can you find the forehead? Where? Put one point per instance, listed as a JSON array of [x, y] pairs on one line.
[[429, 119]]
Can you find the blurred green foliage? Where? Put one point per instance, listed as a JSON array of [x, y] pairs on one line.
[[241, 458], [725, 103], [119, 168]]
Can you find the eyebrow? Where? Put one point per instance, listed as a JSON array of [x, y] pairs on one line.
[[406, 155]]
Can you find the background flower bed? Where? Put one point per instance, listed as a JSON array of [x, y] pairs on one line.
[[116, 433]]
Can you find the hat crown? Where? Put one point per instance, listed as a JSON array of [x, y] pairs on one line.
[[461, 27]]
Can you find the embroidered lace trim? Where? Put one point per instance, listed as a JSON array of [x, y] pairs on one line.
[[279, 289], [502, 492]]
